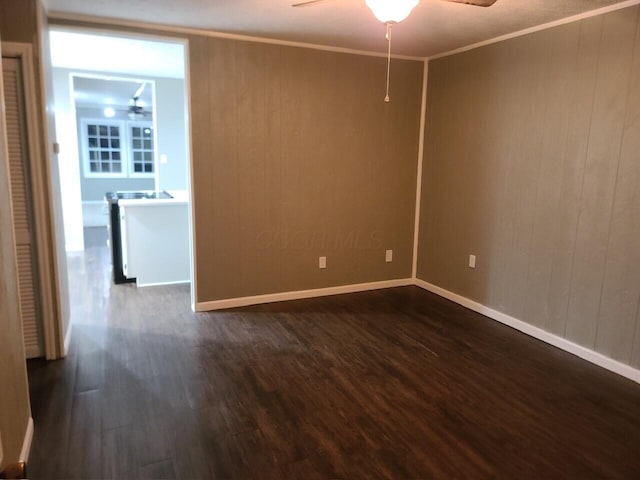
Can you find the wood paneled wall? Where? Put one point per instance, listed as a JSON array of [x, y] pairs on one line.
[[297, 156], [18, 21], [531, 163]]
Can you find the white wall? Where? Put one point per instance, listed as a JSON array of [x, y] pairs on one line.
[[68, 161], [172, 134]]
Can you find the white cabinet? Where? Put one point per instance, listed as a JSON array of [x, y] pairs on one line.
[[155, 241]]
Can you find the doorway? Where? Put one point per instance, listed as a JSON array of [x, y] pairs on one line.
[[121, 106]]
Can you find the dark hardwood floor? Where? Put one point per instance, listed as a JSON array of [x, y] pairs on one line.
[[389, 384]]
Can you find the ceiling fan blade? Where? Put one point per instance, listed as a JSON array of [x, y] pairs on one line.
[[139, 91], [477, 3], [308, 3]]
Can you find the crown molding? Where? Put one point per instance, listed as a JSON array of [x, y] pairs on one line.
[[54, 16], [538, 28]]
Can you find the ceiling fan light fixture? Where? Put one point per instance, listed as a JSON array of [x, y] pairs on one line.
[[391, 11]]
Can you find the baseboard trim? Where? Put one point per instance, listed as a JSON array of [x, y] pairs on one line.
[[26, 444], [535, 332], [297, 295], [67, 339]]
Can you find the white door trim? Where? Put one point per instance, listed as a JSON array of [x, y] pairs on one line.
[[26, 443], [423, 121], [189, 153]]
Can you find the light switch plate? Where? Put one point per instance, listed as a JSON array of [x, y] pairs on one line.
[[472, 261], [322, 262], [389, 256]]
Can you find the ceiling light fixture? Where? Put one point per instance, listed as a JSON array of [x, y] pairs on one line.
[[391, 11], [109, 112]]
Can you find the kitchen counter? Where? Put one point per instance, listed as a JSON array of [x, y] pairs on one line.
[[180, 197]]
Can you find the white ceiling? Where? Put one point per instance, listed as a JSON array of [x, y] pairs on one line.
[[96, 92], [435, 26], [109, 54]]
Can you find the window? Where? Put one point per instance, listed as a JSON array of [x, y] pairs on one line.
[[103, 152], [117, 148], [141, 149]]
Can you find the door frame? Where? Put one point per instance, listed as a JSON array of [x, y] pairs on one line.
[[51, 328], [119, 30]]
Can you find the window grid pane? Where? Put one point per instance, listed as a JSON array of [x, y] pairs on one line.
[[142, 149], [104, 148]]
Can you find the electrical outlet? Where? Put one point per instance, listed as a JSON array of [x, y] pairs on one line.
[[322, 262], [472, 261], [389, 256]]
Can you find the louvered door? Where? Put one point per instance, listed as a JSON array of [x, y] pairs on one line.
[[21, 206]]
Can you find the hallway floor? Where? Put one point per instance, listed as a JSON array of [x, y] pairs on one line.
[[395, 383]]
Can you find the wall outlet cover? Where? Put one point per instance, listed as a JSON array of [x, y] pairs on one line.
[[389, 256], [322, 262]]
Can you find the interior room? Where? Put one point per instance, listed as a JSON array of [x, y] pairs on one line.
[[394, 239]]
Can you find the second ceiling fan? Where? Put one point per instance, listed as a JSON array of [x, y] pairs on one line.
[[136, 110]]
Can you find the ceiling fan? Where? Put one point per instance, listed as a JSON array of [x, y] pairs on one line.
[[380, 6], [137, 111], [391, 12]]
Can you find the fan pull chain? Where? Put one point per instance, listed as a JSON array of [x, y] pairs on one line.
[[389, 25]]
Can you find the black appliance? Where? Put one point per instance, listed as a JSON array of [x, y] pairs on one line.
[[115, 237]]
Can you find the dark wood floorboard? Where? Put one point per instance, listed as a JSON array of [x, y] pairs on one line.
[[396, 383]]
